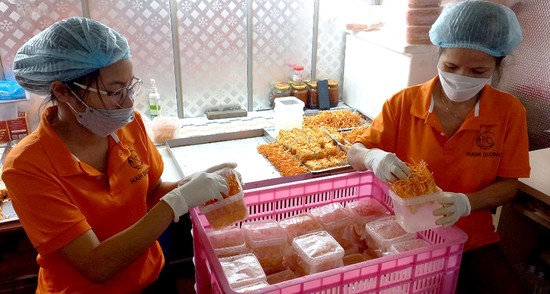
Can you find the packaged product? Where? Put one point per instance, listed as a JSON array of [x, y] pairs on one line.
[[339, 222], [231, 208], [317, 252], [242, 270], [228, 241], [298, 225], [267, 240]]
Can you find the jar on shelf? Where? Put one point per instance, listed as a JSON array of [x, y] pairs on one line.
[[298, 76], [279, 90], [312, 96], [299, 90], [333, 93]]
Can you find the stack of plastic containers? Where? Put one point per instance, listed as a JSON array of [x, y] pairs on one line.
[[268, 241], [316, 252], [382, 233], [228, 241], [412, 19], [339, 222]]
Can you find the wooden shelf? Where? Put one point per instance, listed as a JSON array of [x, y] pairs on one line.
[[535, 215]]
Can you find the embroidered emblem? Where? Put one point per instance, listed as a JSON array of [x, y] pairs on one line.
[[134, 160], [486, 140]]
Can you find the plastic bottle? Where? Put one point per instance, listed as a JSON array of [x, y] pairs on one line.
[[154, 100], [298, 76]]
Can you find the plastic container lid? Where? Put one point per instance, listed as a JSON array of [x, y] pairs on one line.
[[385, 232], [368, 209], [318, 248], [228, 241], [408, 245], [299, 225], [289, 103], [263, 233], [242, 270], [331, 214]]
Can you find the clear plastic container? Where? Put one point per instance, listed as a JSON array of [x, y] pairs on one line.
[[354, 258], [382, 233], [252, 287], [164, 128], [281, 276], [416, 213], [228, 242], [231, 209], [317, 252], [267, 240], [366, 210], [242, 270], [299, 225], [289, 113], [339, 222], [407, 245]]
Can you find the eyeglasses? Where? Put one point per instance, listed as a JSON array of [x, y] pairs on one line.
[[119, 95]]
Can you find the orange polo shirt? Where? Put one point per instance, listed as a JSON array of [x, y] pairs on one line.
[[58, 198], [492, 142]]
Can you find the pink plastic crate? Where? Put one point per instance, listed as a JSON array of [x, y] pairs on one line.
[[432, 269]]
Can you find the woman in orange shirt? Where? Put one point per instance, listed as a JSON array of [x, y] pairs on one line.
[[86, 185], [472, 136]]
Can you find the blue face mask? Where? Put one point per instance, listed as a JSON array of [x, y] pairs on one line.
[[103, 122]]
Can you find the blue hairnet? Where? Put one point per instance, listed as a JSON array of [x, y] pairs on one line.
[[488, 27], [66, 50]]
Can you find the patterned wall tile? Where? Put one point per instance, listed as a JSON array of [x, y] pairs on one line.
[[331, 41], [212, 44], [146, 25], [282, 36]]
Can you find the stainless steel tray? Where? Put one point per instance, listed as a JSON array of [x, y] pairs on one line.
[[198, 153], [368, 120]]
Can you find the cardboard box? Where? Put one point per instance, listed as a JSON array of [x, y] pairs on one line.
[[15, 129]]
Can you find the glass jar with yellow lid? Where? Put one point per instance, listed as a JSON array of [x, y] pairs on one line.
[[312, 95], [333, 93], [279, 90], [299, 90]]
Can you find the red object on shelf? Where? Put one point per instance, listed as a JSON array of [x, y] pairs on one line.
[[433, 268]]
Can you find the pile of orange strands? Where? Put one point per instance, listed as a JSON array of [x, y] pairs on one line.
[[419, 182], [282, 159], [352, 135], [233, 185], [339, 119]]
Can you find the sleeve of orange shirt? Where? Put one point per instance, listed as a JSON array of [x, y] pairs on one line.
[[156, 165], [57, 221], [515, 157]]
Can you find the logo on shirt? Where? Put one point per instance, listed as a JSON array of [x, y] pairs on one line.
[[134, 160], [486, 140]]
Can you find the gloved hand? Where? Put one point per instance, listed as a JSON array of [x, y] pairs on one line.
[[200, 188], [455, 205], [214, 169], [386, 166]]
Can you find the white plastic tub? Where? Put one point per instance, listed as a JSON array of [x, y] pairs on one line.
[[416, 213]]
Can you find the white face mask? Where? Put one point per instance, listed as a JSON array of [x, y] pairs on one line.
[[103, 122], [461, 88]]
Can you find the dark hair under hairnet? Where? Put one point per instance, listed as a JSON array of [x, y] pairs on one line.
[[66, 50], [488, 27]]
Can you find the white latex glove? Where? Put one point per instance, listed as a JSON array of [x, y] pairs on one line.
[[214, 169], [455, 206], [200, 188], [386, 166]]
